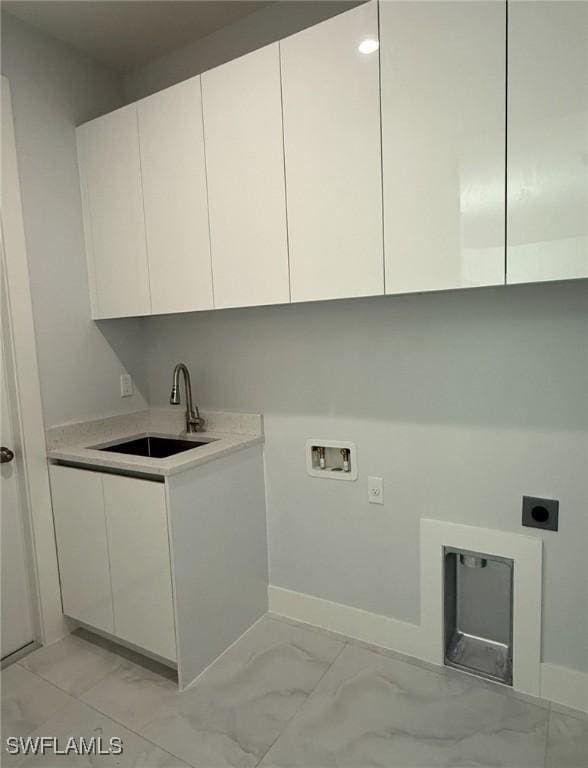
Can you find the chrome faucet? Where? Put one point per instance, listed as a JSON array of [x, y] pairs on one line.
[[194, 422]]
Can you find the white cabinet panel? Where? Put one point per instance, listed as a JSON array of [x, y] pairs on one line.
[[175, 198], [219, 540], [443, 143], [333, 161], [80, 530], [110, 172], [140, 563], [245, 166], [547, 141]]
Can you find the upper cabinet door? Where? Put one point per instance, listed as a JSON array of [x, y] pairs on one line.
[[547, 141], [333, 160], [443, 134], [175, 198], [110, 172], [245, 166]]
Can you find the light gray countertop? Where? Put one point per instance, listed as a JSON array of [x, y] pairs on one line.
[[227, 432]]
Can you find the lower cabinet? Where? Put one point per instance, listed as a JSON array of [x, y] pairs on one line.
[[82, 545], [114, 557], [140, 573]]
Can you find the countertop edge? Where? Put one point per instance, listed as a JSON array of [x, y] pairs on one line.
[[95, 459]]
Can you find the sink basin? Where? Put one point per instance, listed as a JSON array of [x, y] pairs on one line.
[[153, 446]]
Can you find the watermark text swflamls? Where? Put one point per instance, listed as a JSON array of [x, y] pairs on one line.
[[73, 745]]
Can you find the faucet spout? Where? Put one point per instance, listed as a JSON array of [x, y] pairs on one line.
[[194, 422]]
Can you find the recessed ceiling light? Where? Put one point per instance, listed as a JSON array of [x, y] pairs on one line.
[[369, 45]]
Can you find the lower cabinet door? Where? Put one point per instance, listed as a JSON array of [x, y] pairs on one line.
[[140, 571], [80, 531]]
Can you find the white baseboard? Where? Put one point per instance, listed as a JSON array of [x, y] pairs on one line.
[[559, 684], [345, 620], [565, 686]]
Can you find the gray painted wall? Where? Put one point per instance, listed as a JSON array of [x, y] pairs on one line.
[[461, 401], [53, 89]]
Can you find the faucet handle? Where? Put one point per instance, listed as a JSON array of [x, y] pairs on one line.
[[195, 423]]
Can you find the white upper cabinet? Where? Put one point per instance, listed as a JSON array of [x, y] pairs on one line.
[[245, 166], [364, 155], [175, 198], [333, 160], [547, 141], [110, 172], [443, 143]]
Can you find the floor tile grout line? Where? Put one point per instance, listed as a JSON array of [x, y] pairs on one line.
[[351, 643], [355, 643], [571, 712], [131, 730], [44, 679], [547, 729], [121, 660], [302, 704], [343, 643], [59, 709], [413, 661], [64, 690], [120, 667], [140, 735], [77, 698]]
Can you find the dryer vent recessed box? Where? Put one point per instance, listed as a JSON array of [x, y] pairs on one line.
[[478, 613]]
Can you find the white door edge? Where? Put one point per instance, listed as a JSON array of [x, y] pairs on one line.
[[48, 621]]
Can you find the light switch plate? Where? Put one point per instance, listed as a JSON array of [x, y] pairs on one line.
[[126, 385], [375, 490]]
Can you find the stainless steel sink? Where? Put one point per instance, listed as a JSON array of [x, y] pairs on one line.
[[153, 446]]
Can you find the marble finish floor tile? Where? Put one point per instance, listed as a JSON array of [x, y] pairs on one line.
[[237, 709], [131, 694], [284, 696], [79, 720], [491, 685], [27, 701], [567, 742], [372, 710], [488, 685], [72, 664], [577, 714]]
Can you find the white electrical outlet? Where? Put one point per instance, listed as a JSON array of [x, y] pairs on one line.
[[126, 385], [375, 490]]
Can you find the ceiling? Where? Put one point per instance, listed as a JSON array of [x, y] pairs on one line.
[[125, 34]]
